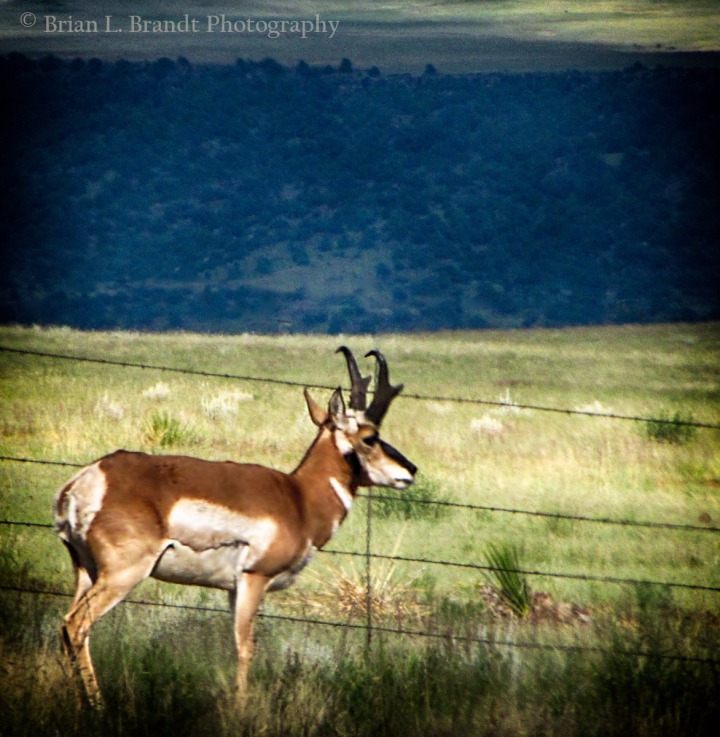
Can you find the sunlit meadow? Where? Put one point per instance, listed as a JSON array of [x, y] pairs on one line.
[[171, 670]]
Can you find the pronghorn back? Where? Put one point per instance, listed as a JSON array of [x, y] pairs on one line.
[[240, 527]]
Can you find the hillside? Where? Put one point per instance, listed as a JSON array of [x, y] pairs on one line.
[[254, 197]]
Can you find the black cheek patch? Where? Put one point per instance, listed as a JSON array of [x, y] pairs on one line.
[[354, 462], [398, 457]]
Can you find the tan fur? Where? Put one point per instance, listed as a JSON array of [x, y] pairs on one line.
[[240, 527]]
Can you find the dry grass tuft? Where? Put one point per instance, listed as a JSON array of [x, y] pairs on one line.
[[487, 425], [159, 392], [543, 609], [344, 592], [109, 409], [225, 405]]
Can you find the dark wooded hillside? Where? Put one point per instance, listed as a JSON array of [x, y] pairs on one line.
[[255, 197]]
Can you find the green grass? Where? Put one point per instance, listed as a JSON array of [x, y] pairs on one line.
[[476, 454], [682, 23], [539, 461], [172, 676]]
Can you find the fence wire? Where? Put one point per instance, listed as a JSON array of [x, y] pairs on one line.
[[453, 505], [550, 515], [525, 572], [368, 555], [447, 636], [369, 627], [311, 385]]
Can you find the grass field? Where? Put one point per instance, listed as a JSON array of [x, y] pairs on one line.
[[169, 671]]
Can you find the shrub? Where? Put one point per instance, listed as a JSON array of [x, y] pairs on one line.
[[108, 408], [225, 405], [669, 429], [417, 502], [163, 430], [158, 393]]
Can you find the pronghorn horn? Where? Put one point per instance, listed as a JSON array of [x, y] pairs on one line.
[[358, 391], [384, 391]]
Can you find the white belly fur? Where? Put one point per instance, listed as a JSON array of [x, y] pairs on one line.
[[217, 568], [210, 545]]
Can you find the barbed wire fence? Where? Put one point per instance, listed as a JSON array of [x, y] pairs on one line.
[[370, 626], [310, 385]]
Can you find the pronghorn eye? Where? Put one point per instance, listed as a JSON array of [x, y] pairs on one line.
[[370, 440]]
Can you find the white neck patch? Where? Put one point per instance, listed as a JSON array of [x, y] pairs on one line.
[[343, 494], [342, 443]]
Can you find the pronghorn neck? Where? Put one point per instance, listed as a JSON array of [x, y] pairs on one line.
[[329, 484], [241, 527]]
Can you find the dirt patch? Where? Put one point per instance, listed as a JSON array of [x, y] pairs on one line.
[[544, 609]]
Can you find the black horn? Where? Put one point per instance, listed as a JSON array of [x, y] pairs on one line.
[[359, 385], [384, 391]]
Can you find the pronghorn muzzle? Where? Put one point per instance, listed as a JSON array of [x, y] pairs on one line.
[[398, 457]]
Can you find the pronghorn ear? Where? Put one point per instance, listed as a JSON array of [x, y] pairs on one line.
[[336, 409], [318, 415]]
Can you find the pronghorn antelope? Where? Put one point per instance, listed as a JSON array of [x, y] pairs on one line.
[[243, 528]]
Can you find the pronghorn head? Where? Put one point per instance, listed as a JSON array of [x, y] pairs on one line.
[[355, 429]]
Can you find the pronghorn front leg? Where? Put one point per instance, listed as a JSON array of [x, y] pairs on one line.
[[245, 601]]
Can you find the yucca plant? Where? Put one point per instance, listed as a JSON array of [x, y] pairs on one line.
[[508, 583]]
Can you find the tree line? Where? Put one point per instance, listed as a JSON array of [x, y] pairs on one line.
[[253, 196]]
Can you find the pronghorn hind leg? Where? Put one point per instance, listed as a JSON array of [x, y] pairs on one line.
[[91, 603], [245, 601], [76, 633], [79, 660], [83, 583]]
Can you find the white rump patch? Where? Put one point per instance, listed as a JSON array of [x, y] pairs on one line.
[[202, 525], [79, 501]]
